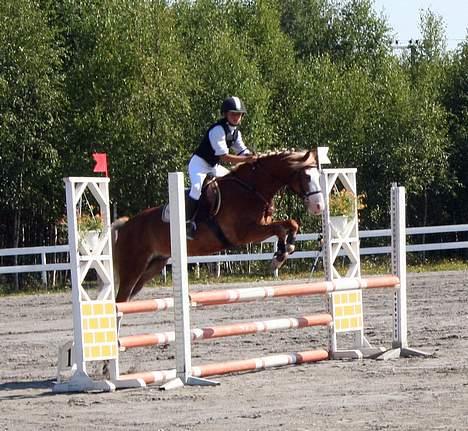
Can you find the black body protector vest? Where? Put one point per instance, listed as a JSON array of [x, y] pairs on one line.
[[205, 150]]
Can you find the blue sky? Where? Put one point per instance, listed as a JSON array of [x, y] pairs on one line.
[[403, 17]]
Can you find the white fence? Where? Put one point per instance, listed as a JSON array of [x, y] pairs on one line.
[[39, 252], [44, 266]]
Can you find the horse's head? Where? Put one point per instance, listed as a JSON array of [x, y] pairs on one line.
[[304, 180], [296, 170]]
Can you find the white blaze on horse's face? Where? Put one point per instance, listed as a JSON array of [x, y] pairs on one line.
[[314, 196]]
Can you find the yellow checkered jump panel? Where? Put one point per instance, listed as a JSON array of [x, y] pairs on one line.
[[98, 320], [347, 310]]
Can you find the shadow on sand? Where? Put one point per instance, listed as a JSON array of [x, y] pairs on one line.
[[33, 385]]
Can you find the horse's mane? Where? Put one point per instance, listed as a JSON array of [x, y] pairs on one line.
[[289, 159]]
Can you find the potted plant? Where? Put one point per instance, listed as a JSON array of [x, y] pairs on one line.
[[342, 205], [90, 227]]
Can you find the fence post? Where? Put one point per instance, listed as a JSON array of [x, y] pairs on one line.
[[44, 273]]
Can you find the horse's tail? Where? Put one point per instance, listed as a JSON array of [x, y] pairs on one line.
[[116, 226]]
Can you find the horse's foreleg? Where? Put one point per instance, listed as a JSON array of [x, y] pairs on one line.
[[293, 228], [286, 242], [285, 230]]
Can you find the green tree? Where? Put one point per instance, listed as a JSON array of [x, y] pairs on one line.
[[220, 65], [425, 65], [142, 81], [456, 104], [346, 30], [128, 90], [31, 106]]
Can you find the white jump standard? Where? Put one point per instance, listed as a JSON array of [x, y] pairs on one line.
[[94, 320], [345, 241]]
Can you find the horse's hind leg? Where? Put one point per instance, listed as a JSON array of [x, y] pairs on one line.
[[153, 268], [125, 294], [127, 282]]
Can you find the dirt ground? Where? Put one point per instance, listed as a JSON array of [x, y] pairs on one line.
[[403, 394]]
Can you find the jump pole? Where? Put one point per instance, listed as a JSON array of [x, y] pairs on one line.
[[230, 296], [229, 330]]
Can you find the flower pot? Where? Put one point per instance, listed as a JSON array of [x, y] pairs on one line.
[[339, 224], [89, 241]]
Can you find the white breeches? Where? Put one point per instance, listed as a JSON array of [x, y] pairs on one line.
[[198, 169]]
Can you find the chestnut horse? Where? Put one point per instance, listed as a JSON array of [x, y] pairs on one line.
[[143, 246]]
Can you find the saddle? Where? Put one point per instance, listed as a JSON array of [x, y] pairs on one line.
[[210, 201], [209, 205]]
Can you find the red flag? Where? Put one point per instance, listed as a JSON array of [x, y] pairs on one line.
[[101, 163]]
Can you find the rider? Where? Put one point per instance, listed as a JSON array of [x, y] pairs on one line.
[[214, 147]]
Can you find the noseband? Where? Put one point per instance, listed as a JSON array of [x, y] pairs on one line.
[[304, 194]]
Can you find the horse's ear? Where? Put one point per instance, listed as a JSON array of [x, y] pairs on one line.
[[306, 156], [308, 159]]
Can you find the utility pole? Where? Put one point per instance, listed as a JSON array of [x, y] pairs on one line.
[[411, 45]]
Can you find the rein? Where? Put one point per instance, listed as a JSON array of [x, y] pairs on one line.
[[302, 193], [213, 224], [247, 186]]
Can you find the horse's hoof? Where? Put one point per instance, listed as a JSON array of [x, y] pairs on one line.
[[290, 248], [278, 261]]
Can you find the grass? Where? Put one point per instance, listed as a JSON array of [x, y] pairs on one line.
[[259, 272], [368, 267]]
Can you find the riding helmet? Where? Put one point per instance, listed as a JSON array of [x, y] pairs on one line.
[[233, 104]]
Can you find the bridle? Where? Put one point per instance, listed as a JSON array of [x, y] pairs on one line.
[[303, 192]]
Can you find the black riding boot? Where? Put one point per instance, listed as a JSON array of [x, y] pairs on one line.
[[191, 206]]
